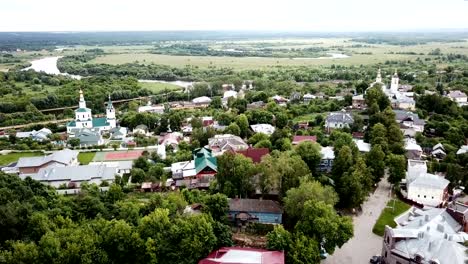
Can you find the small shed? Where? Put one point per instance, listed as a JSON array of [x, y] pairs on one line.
[[243, 211]]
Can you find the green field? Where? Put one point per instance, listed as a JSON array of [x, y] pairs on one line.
[[13, 157], [361, 53], [86, 157], [388, 215], [160, 87]]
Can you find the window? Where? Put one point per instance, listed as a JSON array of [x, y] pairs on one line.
[[424, 196], [432, 197], [385, 254], [419, 195]]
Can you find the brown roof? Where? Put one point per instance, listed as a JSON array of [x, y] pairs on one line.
[[255, 205], [299, 139], [256, 154]]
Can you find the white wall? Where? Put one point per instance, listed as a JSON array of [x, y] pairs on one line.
[[426, 196]]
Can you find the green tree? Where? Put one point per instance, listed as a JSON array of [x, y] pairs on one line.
[[137, 175], [217, 206], [375, 159], [279, 239], [303, 250], [122, 243], [216, 102], [243, 123], [281, 120], [321, 222], [310, 153], [235, 174], [74, 142], [307, 191], [282, 173], [264, 144], [397, 168], [233, 129], [342, 163], [257, 137], [354, 186]]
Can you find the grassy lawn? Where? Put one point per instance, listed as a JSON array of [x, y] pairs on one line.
[[13, 157], [86, 157], [156, 87], [387, 216]]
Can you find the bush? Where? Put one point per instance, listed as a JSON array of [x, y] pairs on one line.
[[259, 228]]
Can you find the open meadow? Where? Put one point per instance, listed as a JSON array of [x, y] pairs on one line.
[[359, 53]]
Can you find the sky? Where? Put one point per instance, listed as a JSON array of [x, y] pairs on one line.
[[272, 15]]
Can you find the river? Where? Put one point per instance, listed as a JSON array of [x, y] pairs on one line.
[[49, 66]]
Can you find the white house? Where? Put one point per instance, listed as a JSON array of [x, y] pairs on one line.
[[458, 96], [221, 143], [123, 166], [362, 146], [412, 148], [308, 97], [73, 177], [462, 150], [328, 155], [425, 188], [337, 120], [141, 129], [41, 135], [158, 109], [263, 128], [433, 236], [62, 158], [203, 100]]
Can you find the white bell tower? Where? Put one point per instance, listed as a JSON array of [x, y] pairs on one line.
[[378, 79], [110, 114], [394, 84], [83, 115]]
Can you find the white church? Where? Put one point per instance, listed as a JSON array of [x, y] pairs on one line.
[[84, 118], [398, 99]]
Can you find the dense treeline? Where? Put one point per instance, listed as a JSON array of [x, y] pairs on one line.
[[93, 227], [205, 50], [25, 92], [10, 41]]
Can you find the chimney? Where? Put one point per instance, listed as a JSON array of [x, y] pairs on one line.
[[420, 222], [430, 246], [426, 218]]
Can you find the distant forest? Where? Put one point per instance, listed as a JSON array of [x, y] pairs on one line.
[[10, 41]]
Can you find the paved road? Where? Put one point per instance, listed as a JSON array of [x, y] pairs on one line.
[[364, 244]]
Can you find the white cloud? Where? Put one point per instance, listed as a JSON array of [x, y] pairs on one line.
[[326, 15]]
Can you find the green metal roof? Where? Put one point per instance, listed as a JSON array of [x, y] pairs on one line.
[[100, 122], [71, 124], [83, 110], [203, 158]]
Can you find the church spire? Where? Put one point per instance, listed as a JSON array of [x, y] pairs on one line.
[[82, 103], [379, 77], [109, 103]]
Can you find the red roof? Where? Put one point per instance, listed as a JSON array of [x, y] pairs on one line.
[[358, 135], [208, 122], [235, 255], [255, 154], [299, 139]]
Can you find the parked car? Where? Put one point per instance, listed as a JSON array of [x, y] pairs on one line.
[[376, 259]]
